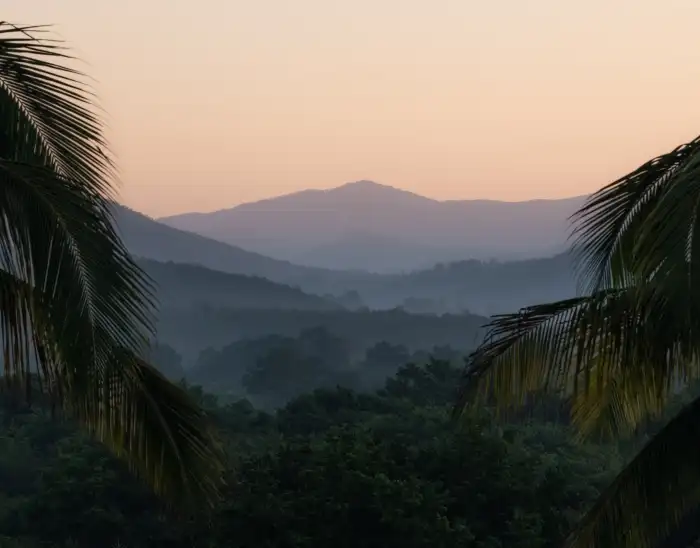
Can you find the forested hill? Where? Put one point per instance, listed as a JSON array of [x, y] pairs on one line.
[[185, 285], [488, 287]]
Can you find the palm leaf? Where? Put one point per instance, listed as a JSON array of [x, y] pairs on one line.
[[72, 297], [614, 354], [155, 426], [653, 494], [619, 226]]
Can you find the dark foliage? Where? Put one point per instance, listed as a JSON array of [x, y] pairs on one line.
[[333, 467]]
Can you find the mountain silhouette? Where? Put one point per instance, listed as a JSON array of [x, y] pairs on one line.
[[370, 226]]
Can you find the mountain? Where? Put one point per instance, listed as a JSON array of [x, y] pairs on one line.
[[369, 226], [182, 286], [150, 239], [478, 286]]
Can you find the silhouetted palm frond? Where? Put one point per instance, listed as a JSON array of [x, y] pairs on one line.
[[72, 301]]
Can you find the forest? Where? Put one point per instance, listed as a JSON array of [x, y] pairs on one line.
[[334, 466]]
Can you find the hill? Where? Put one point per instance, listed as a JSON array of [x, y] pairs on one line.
[[491, 287], [481, 287], [186, 285], [368, 226]]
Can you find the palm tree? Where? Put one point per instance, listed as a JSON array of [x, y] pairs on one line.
[[622, 350], [76, 313]]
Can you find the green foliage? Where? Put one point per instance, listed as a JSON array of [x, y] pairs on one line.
[[333, 467]]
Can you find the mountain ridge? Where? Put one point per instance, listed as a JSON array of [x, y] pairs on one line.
[[481, 287], [368, 185], [339, 228]]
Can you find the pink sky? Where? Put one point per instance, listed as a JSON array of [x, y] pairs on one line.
[[217, 102]]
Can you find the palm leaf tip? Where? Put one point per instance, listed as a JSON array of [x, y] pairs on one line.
[[622, 233], [156, 427]]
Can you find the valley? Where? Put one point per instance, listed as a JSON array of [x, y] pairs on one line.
[[213, 295], [270, 350]]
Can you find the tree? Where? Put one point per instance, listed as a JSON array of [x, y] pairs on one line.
[[76, 310], [381, 361], [284, 372], [326, 346], [621, 351]]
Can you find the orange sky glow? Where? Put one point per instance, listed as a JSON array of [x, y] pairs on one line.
[[217, 102]]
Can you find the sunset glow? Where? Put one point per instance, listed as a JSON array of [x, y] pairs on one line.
[[214, 103]]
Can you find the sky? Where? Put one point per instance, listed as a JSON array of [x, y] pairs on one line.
[[213, 103]]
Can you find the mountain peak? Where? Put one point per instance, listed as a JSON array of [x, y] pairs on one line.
[[364, 184], [375, 191]]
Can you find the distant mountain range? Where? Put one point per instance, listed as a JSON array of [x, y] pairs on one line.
[[481, 287], [378, 228]]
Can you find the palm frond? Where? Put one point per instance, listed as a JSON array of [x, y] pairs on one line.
[[617, 407], [49, 113], [614, 354], [155, 426], [73, 299], [622, 234], [653, 494]]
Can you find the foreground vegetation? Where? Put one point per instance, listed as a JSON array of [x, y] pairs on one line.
[[333, 467]]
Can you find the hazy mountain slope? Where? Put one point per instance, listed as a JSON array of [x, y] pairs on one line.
[[480, 287], [185, 285], [493, 287], [150, 239], [369, 226]]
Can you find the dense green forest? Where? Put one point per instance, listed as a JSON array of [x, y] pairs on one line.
[[333, 467]]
